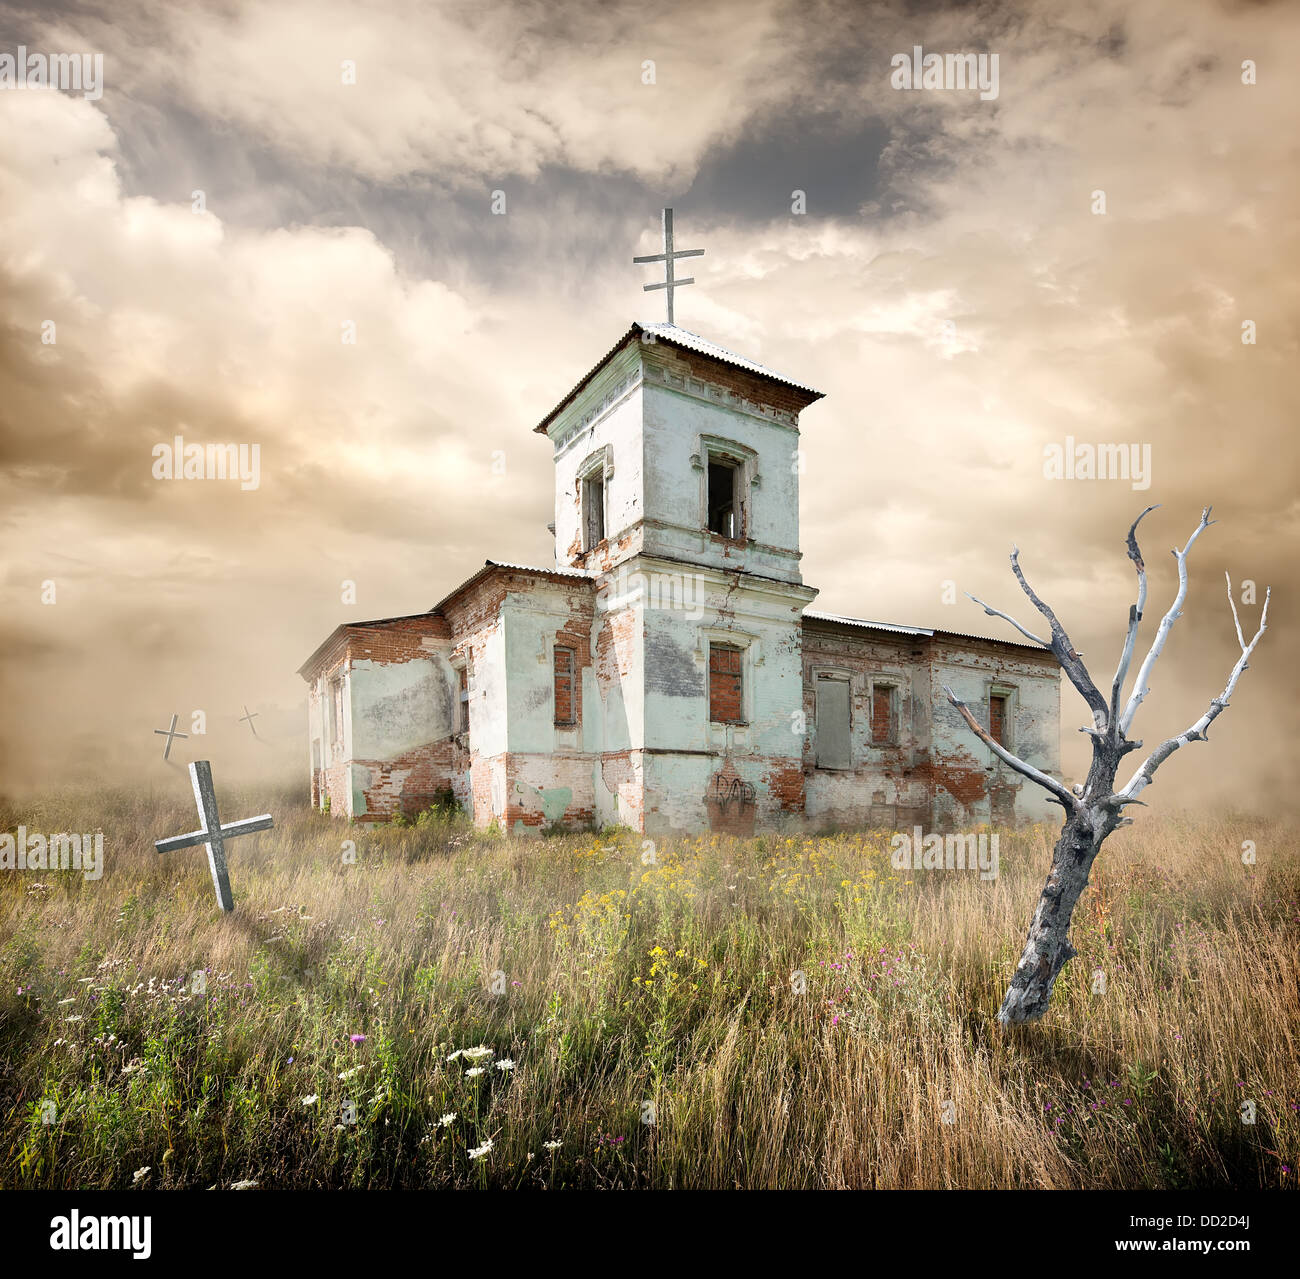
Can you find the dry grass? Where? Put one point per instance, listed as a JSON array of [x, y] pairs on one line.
[[627, 984]]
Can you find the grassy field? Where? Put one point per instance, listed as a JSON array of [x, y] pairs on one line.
[[790, 1012]]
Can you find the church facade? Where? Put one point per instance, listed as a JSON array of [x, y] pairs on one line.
[[667, 673]]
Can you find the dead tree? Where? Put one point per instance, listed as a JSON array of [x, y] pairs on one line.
[[1095, 809]]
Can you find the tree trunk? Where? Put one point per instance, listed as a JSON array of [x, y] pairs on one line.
[[1047, 948]]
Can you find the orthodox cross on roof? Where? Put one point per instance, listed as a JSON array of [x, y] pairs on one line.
[[668, 257], [169, 733], [211, 833]]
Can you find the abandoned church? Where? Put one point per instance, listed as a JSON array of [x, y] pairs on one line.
[[667, 672]]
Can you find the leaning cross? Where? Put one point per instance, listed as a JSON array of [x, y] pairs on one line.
[[169, 733], [249, 718], [212, 834], [668, 257]]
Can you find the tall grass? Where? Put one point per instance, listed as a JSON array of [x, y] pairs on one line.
[[790, 1012]]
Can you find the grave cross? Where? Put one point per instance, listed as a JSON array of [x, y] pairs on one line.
[[668, 257], [249, 718], [212, 834], [169, 733]]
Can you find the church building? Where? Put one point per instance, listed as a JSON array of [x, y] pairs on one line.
[[667, 672]]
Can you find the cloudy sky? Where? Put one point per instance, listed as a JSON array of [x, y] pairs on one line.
[[200, 233]]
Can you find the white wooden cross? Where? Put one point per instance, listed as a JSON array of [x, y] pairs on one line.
[[212, 834], [169, 733], [668, 257]]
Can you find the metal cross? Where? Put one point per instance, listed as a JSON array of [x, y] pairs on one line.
[[169, 733], [249, 718], [668, 257], [212, 834]]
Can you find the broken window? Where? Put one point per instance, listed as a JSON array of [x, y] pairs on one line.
[[884, 706], [998, 717], [726, 690], [462, 701], [834, 748], [565, 706], [724, 497], [593, 508]]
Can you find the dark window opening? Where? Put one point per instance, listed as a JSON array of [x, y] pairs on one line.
[[726, 691], [998, 718], [724, 499]]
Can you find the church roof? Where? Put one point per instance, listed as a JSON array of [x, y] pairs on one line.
[[838, 619], [688, 341]]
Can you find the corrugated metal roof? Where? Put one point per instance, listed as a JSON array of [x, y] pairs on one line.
[[676, 336], [685, 339], [532, 568], [840, 619], [817, 616]]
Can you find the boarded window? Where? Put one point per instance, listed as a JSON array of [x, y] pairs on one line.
[[726, 692], [593, 509], [833, 748], [565, 709], [336, 712], [724, 501], [884, 699], [998, 718]]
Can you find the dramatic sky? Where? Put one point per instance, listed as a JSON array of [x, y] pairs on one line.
[[200, 233]]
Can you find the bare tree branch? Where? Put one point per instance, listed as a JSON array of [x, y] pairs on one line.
[[1134, 620], [993, 612], [1140, 688], [1144, 776], [1061, 795], [1070, 659]]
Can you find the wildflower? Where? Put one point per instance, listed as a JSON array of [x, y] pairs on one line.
[[74, 1017], [477, 1152], [505, 1064], [70, 1000], [454, 1056], [347, 1074], [312, 1100], [473, 1071], [244, 1185], [447, 1120], [477, 1054], [357, 1039], [139, 1175], [551, 1145]]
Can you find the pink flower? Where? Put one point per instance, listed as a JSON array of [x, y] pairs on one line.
[[357, 1039]]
